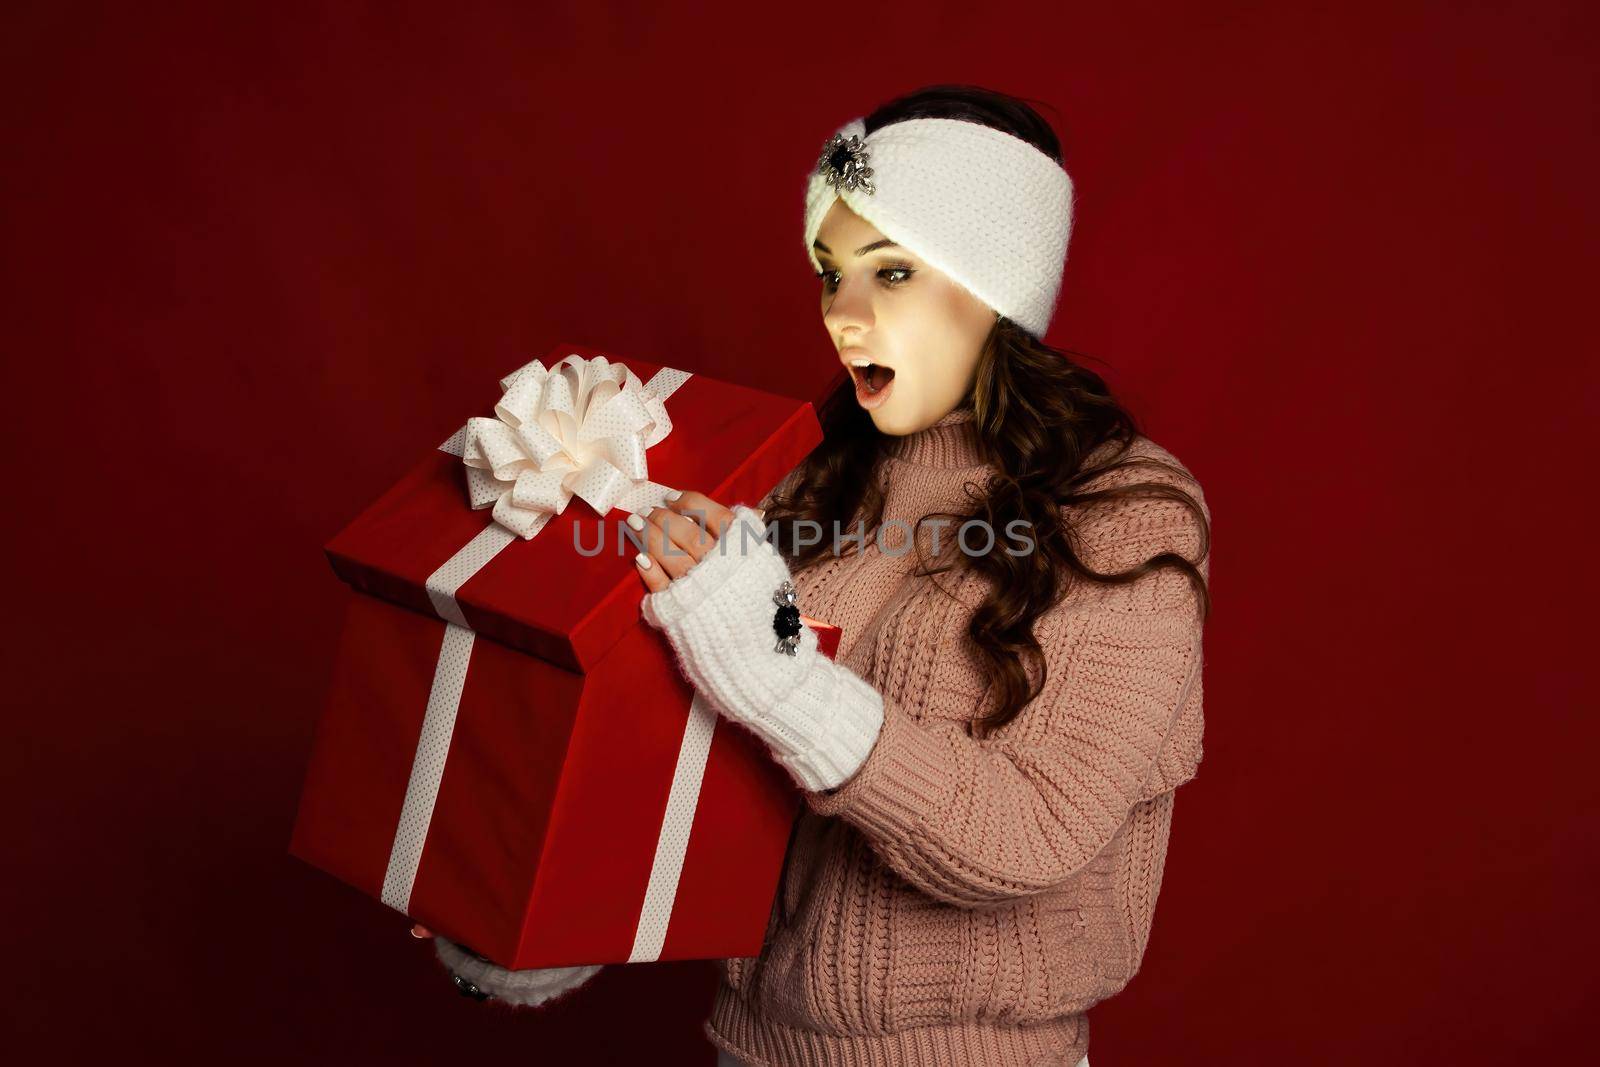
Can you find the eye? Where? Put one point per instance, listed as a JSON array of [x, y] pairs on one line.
[[893, 277]]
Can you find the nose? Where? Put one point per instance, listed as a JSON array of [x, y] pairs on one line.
[[849, 307]]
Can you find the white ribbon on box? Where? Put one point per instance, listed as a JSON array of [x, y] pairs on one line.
[[581, 428]]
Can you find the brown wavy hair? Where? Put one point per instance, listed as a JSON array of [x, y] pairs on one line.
[[1039, 414]]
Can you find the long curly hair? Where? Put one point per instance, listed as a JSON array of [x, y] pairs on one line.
[[1039, 416]]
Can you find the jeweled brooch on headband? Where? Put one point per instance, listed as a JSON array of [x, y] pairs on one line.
[[844, 162]]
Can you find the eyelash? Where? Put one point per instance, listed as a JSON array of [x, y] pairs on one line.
[[907, 271]]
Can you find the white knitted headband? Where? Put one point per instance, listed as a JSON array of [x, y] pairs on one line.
[[987, 209]]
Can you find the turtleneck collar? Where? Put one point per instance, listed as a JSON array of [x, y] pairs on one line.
[[951, 443]]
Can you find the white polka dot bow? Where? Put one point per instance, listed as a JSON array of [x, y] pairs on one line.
[[580, 428]]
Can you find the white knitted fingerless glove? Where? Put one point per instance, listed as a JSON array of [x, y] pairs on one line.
[[527, 988], [819, 719]]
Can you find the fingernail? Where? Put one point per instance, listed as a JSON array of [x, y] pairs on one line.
[[414, 933], [642, 560], [673, 494], [635, 522]]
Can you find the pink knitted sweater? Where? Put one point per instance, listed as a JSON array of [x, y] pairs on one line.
[[961, 901]]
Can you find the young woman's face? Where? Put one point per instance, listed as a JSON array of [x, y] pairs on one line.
[[883, 304]]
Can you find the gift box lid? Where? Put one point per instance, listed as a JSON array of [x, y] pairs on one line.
[[595, 430]]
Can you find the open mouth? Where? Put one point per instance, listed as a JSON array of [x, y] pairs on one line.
[[871, 377]]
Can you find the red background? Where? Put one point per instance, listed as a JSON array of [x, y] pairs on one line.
[[1342, 263]]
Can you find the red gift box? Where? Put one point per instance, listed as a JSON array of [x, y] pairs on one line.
[[509, 753]]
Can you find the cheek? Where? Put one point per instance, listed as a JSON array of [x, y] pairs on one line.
[[952, 325], [935, 313], [958, 311], [942, 342]]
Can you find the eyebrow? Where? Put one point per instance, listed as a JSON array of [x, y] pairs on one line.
[[863, 250]]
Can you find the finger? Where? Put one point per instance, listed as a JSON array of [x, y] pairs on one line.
[[712, 515], [689, 531], [649, 572], [654, 557], [644, 564], [676, 542], [420, 931]]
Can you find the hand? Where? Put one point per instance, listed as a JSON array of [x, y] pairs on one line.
[[478, 978], [716, 604], [677, 536]]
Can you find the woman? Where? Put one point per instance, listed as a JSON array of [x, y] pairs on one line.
[[1020, 576]]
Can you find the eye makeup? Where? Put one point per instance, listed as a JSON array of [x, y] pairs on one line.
[[903, 269]]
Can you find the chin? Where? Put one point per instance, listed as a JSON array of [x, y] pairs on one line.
[[890, 422]]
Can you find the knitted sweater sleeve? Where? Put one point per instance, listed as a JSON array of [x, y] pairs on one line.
[[973, 821]]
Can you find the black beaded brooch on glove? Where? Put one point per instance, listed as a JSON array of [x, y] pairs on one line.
[[844, 163], [463, 986], [467, 989], [786, 623]]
